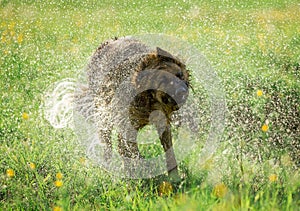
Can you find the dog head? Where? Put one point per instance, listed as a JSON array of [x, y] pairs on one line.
[[166, 79]]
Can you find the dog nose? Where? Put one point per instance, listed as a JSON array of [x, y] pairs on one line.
[[181, 91], [181, 94]]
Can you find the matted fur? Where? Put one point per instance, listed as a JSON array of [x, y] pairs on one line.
[[127, 59]]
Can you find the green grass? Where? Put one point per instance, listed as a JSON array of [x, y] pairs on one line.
[[252, 46]]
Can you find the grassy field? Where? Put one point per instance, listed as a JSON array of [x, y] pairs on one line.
[[253, 46]]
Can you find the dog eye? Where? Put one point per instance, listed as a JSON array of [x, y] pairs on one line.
[[179, 75]]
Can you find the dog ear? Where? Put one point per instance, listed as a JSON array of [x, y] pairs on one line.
[[164, 54]]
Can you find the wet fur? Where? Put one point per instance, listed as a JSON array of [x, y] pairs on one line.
[[116, 60]]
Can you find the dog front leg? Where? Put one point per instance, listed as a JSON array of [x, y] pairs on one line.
[[166, 141]]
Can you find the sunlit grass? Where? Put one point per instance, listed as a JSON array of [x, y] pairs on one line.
[[254, 48]]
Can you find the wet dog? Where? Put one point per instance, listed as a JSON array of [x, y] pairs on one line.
[[159, 85]]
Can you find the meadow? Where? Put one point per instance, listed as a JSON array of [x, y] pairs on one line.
[[254, 47]]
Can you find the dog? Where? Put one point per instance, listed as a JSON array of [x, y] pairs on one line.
[[159, 85]]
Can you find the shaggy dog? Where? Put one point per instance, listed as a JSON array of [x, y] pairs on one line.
[[159, 85]]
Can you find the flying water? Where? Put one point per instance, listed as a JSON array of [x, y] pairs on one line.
[[199, 123]]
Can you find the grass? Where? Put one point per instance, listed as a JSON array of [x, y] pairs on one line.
[[251, 45]]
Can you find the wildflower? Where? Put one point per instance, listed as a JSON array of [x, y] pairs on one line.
[[3, 39], [58, 183], [32, 166], [59, 176], [82, 160], [11, 26], [25, 116], [265, 128], [273, 178], [259, 93], [165, 188], [10, 172], [20, 38], [220, 190], [57, 208]]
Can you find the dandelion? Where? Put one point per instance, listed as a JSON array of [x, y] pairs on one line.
[[165, 188], [12, 25], [259, 93], [58, 183], [32, 166], [59, 176], [20, 38], [82, 160], [220, 190], [273, 178], [3, 39], [265, 128], [57, 208], [25, 116], [10, 172]]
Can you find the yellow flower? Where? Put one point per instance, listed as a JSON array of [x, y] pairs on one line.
[[32, 166], [82, 160], [3, 39], [165, 188], [59, 176], [10, 172], [220, 190], [265, 128], [11, 26], [259, 93], [57, 208], [273, 178], [58, 183], [20, 38], [25, 116]]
